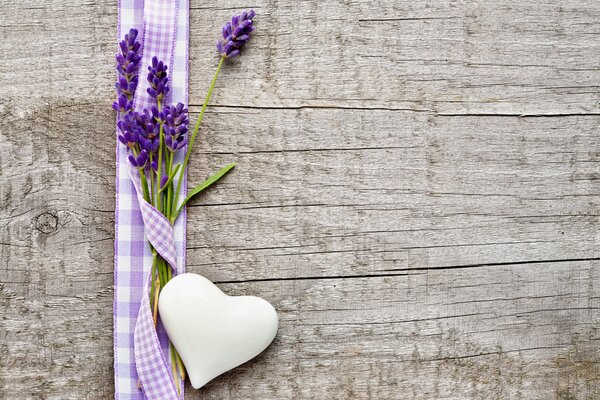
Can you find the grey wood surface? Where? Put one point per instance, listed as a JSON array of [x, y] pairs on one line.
[[417, 194]]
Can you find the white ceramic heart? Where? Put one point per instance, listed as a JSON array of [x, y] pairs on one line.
[[214, 332]]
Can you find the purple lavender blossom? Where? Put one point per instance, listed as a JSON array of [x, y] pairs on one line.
[[175, 126], [122, 104], [127, 68], [236, 33], [129, 130], [140, 131], [140, 161], [149, 139], [158, 79], [163, 181]]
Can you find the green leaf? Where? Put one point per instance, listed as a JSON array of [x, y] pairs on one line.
[[168, 182], [204, 185]]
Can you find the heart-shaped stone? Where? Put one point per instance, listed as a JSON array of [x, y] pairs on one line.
[[214, 332]]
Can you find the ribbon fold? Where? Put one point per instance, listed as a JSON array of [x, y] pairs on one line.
[[156, 379]]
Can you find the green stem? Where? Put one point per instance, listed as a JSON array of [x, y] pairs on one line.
[[152, 198], [169, 186], [163, 272], [158, 172], [144, 185], [195, 131], [153, 275], [159, 161], [142, 178], [174, 366], [180, 364], [169, 183], [159, 271]]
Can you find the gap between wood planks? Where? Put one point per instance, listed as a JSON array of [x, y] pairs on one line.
[[407, 271], [416, 110]]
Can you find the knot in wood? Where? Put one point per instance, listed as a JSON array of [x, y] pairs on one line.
[[46, 222]]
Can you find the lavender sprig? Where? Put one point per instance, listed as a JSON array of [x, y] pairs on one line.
[[129, 132], [159, 80], [236, 33], [127, 68], [149, 128], [175, 127]]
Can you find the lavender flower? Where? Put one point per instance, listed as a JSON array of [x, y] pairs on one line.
[[158, 79], [127, 68], [149, 130], [236, 33], [140, 161], [130, 132], [175, 126]]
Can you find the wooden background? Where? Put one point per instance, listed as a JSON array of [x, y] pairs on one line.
[[417, 194]]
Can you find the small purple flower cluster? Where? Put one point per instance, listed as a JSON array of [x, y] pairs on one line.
[[159, 80], [141, 131], [127, 68], [175, 126], [236, 33]]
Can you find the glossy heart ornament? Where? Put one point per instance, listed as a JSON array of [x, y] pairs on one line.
[[214, 332]]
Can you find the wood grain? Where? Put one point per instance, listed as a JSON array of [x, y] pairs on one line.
[[417, 194]]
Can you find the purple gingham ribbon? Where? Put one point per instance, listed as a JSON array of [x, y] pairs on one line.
[[160, 23], [141, 367], [155, 377], [158, 228]]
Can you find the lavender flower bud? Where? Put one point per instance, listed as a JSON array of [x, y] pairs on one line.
[[149, 132], [163, 181], [140, 161], [236, 33], [127, 64], [129, 130], [175, 126], [158, 79], [123, 104]]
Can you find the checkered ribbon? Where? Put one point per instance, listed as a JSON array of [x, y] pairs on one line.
[[141, 349], [155, 377], [160, 22]]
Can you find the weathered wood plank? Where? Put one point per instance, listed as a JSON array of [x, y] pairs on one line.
[[508, 332], [423, 232], [457, 57], [404, 190]]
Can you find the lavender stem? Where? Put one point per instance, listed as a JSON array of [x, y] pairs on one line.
[[194, 133]]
